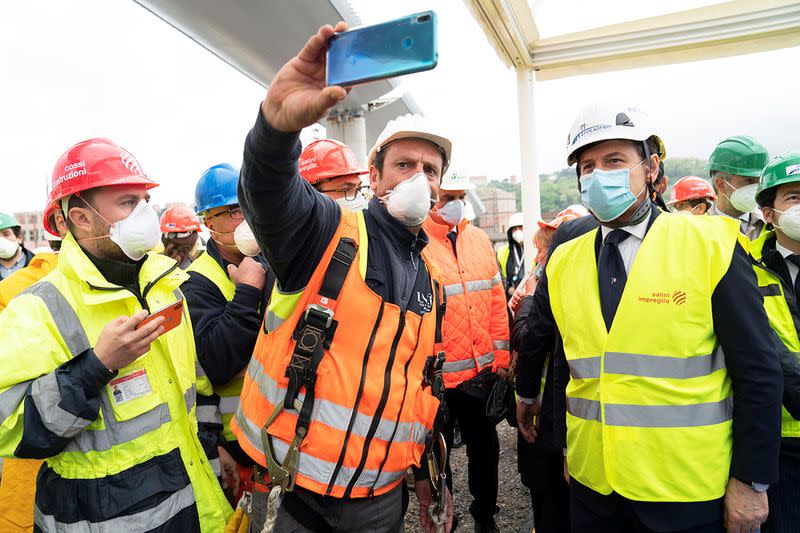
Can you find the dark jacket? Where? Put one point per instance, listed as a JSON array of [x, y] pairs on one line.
[[742, 327], [225, 332], [294, 224]]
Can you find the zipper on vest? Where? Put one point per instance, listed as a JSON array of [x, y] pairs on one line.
[[373, 427], [354, 414], [141, 299], [397, 419]]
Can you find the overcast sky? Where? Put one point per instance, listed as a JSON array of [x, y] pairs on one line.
[[74, 69]]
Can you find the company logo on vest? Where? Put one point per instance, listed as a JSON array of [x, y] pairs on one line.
[[678, 297]]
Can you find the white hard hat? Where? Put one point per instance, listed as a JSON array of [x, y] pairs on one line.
[[50, 237], [411, 127], [515, 220], [455, 181], [603, 121]]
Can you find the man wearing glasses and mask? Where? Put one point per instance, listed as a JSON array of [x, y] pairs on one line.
[[332, 168]]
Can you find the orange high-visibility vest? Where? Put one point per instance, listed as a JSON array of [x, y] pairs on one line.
[[476, 323], [371, 414]]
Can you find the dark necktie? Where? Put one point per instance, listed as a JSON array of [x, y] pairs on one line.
[[795, 260], [611, 275]]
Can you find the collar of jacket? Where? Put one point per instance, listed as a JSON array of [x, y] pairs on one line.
[[74, 264], [397, 233], [439, 231], [655, 212]]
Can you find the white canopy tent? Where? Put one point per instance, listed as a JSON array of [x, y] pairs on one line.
[[709, 32]]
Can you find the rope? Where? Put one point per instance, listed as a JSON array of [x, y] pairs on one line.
[[273, 503]]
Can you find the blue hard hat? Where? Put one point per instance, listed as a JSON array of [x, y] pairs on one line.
[[216, 188]]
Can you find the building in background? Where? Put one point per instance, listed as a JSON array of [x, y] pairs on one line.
[[500, 205], [32, 225]]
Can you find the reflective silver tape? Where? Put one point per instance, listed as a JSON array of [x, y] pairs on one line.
[[64, 316], [146, 520], [583, 408], [208, 414], [11, 398], [47, 397], [584, 367], [216, 466], [467, 364], [273, 321], [658, 366], [190, 397], [500, 345], [472, 286], [228, 404], [669, 416], [118, 432]]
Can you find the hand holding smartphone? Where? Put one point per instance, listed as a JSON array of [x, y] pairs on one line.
[[172, 314]]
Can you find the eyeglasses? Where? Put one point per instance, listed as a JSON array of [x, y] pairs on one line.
[[233, 214], [350, 193]]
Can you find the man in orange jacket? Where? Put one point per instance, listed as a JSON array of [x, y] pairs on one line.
[[475, 334], [18, 481]]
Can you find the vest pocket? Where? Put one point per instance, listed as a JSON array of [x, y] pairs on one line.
[[424, 415]]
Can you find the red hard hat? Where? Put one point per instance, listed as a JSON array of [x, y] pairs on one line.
[[326, 159], [91, 164], [179, 219], [690, 188]]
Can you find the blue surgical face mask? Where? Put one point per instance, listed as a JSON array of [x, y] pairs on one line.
[[607, 193]]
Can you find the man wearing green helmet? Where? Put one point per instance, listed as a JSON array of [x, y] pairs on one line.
[[735, 165], [13, 255], [777, 256]]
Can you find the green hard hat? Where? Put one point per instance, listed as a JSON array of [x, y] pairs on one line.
[[783, 169], [7, 221], [740, 155]]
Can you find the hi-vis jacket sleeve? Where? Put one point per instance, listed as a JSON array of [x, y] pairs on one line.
[[498, 328], [49, 387]]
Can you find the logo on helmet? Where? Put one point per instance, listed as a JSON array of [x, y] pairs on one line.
[[588, 131], [130, 163], [793, 170]]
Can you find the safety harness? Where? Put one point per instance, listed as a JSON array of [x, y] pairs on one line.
[[314, 334]]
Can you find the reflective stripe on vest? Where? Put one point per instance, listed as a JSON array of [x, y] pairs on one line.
[[472, 286], [648, 402], [465, 364], [147, 520], [780, 318]]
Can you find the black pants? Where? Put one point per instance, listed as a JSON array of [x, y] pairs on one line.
[[479, 434], [591, 512], [784, 498], [542, 471]]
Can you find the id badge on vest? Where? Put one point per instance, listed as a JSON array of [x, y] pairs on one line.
[[132, 393]]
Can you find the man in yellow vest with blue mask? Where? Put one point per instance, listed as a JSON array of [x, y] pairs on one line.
[[109, 401], [777, 253], [227, 292], [673, 402]]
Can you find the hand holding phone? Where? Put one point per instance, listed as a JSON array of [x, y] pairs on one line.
[[298, 95], [125, 339]]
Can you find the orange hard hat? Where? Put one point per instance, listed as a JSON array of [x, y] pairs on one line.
[[570, 213], [326, 159], [91, 164], [179, 219], [691, 188]]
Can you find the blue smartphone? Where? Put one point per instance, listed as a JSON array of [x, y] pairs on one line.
[[384, 50]]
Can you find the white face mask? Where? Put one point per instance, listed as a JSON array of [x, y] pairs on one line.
[[410, 201], [359, 203], [136, 234], [744, 198], [518, 235], [8, 248], [452, 212], [245, 240], [790, 222]]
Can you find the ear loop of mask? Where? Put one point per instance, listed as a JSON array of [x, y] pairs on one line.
[[87, 204], [232, 246]]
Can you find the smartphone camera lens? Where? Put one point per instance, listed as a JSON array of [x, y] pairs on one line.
[[408, 42], [424, 18]]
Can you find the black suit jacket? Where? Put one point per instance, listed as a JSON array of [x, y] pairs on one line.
[[743, 330]]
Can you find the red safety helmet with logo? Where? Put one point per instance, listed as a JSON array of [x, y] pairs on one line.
[[691, 188], [179, 219], [326, 159], [91, 164], [570, 213]]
